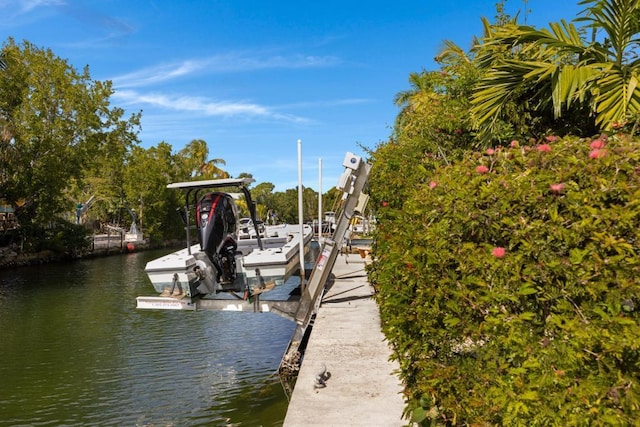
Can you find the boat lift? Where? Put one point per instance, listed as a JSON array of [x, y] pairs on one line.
[[351, 183], [298, 308]]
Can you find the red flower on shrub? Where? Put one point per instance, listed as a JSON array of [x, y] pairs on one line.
[[544, 148], [598, 153], [551, 138], [490, 151], [597, 144], [433, 184], [482, 169], [556, 188], [515, 143], [498, 252], [385, 203]]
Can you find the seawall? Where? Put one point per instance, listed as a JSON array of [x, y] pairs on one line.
[[361, 387]]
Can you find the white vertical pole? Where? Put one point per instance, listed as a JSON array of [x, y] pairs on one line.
[[300, 216], [320, 200]]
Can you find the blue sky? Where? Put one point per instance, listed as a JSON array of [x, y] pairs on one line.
[[252, 77]]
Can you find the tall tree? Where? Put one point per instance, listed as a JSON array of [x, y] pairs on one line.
[[263, 196], [55, 120], [196, 159], [419, 83], [146, 175], [105, 179]]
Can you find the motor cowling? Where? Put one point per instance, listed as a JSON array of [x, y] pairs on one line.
[[216, 219]]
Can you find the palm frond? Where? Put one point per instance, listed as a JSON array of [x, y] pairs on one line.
[[553, 69], [494, 91], [572, 83], [452, 51], [618, 19], [618, 97]]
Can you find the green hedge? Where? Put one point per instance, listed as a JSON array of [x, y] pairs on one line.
[[509, 282]]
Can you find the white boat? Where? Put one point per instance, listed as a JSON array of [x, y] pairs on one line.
[[221, 261], [277, 261]]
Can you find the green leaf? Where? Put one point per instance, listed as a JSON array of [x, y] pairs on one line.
[[418, 415], [526, 289]]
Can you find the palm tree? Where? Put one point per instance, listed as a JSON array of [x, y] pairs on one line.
[[559, 72], [420, 83], [195, 154]]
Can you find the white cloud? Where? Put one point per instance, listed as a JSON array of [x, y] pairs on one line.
[[29, 5], [14, 12], [202, 106], [158, 74], [224, 63], [31, 11], [327, 103], [126, 86]]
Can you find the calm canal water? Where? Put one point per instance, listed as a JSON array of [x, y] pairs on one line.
[[74, 351]]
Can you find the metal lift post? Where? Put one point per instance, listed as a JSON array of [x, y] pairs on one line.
[[352, 183]]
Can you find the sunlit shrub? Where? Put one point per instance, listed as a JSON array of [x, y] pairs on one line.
[[509, 283]]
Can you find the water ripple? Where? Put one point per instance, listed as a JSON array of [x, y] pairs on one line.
[[76, 352]]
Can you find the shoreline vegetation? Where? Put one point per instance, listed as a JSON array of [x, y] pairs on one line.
[[13, 257], [506, 253]]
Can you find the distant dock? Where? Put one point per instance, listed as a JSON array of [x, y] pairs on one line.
[[118, 241]]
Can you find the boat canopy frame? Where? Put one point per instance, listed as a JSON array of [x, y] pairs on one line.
[[193, 188]]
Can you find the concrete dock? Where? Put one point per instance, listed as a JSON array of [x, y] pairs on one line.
[[363, 388]]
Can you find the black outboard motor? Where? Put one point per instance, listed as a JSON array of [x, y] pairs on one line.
[[216, 221]]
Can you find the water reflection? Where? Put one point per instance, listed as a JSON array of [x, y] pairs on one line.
[[75, 351]]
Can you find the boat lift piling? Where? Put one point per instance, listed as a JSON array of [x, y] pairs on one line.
[[352, 183]]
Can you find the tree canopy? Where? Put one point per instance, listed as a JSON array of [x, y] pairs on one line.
[[558, 71], [53, 121], [62, 143]]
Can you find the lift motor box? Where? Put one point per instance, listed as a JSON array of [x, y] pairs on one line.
[[351, 161]]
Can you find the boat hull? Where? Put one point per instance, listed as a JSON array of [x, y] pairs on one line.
[[279, 263], [173, 274]]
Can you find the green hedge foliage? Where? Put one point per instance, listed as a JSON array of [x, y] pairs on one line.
[[509, 282]]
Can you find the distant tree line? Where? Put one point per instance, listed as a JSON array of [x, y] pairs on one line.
[[62, 144]]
